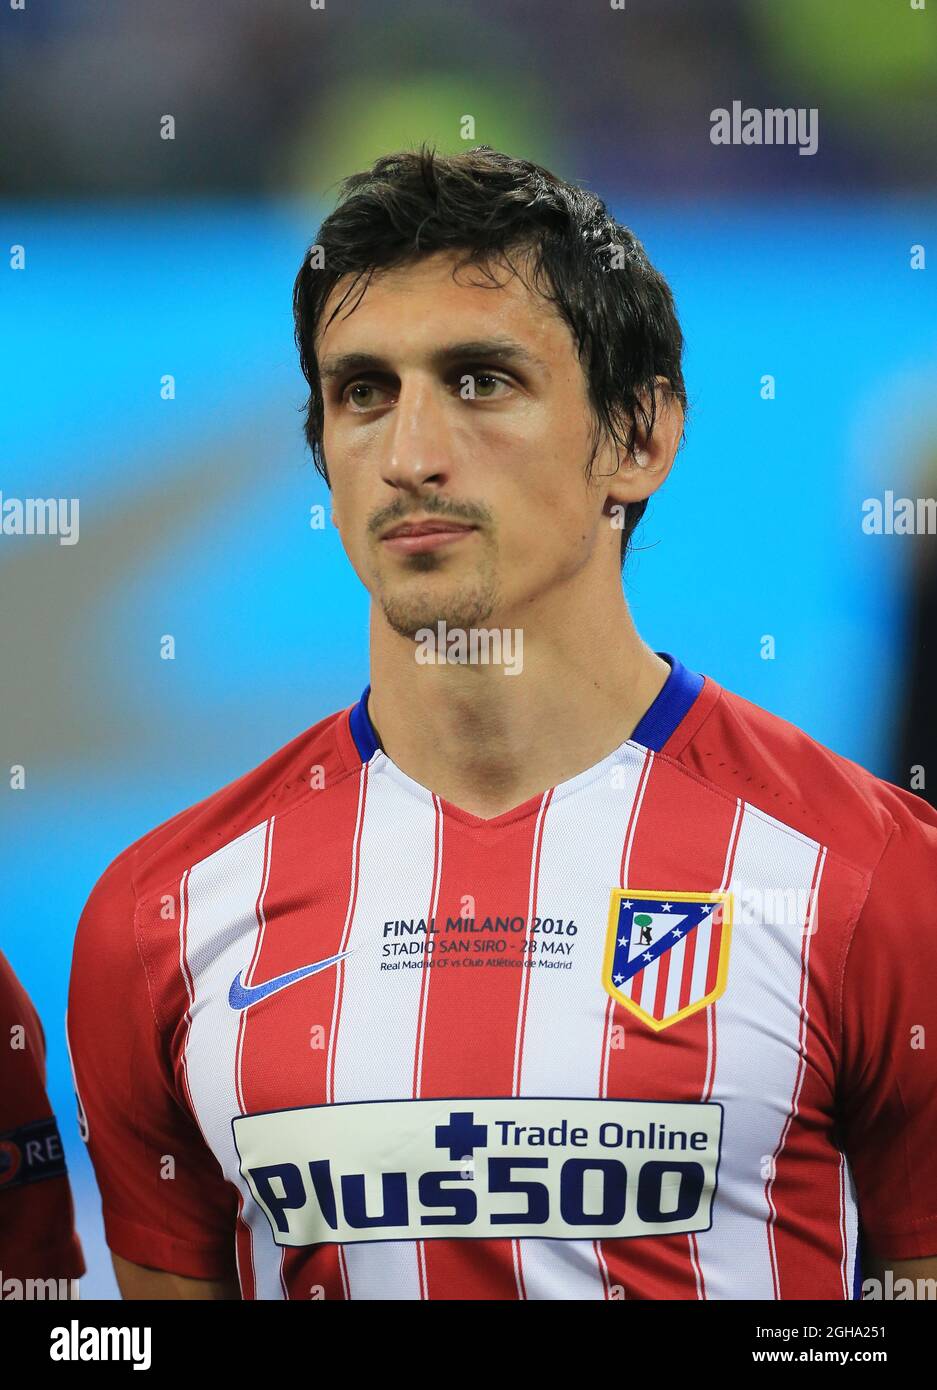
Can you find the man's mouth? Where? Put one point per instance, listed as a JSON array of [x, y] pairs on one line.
[[415, 537]]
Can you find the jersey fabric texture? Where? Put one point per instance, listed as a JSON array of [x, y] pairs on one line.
[[37, 1219], [657, 1033]]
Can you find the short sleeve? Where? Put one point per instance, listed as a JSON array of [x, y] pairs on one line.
[[889, 1059], [37, 1217], [165, 1201]]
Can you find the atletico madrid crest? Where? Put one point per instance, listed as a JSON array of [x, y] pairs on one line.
[[667, 954]]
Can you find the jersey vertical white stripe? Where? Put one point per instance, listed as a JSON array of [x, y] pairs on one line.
[[727, 870], [564, 1035], [379, 1018], [218, 937], [773, 865], [808, 924]]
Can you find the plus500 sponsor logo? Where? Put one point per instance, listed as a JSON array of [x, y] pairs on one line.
[[425, 1169]]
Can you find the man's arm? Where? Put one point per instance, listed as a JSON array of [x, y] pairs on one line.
[[886, 1074], [171, 1223], [138, 1282]]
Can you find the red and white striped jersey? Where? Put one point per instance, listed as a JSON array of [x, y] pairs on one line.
[[657, 1033]]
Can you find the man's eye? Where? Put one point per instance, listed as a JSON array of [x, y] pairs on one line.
[[482, 384], [354, 391]]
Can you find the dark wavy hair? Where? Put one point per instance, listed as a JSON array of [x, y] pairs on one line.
[[594, 271]]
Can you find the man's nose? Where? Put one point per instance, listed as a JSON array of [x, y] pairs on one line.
[[418, 442]]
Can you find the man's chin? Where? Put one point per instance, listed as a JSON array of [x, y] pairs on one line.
[[410, 613]]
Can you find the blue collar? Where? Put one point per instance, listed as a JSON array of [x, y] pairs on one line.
[[671, 706], [362, 730], [654, 728]]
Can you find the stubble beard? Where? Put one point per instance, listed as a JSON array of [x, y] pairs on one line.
[[459, 603]]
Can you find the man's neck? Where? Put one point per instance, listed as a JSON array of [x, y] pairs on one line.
[[487, 741]]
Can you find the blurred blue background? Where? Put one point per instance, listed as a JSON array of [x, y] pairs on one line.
[[146, 258]]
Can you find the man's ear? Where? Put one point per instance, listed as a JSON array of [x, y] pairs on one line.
[[645, 469]]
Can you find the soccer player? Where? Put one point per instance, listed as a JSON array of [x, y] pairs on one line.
[[40, 1253], [548, 969]]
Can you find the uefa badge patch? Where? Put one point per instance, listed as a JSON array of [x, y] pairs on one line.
[[667, 954]]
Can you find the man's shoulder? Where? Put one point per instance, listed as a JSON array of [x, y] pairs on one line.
[[778, 768], [316, 760]]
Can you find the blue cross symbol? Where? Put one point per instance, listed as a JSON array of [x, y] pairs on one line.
[[461, 1136]]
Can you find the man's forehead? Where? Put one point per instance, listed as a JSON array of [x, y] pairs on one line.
[[472, 303]]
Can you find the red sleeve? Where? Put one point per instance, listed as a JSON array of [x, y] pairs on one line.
[[37, 1218], [889, 1061], [165, 1201]]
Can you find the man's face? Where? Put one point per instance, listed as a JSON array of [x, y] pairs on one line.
[[406, 443]]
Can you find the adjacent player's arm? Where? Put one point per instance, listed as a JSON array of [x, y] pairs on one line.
[[138, 1282], [37, 1219]]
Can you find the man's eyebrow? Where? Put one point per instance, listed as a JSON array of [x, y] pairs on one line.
[[481, 349]]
